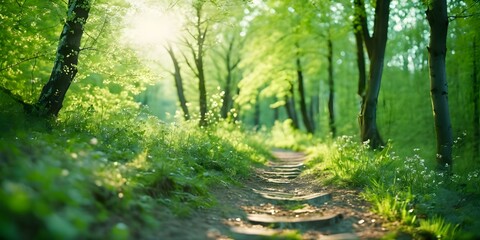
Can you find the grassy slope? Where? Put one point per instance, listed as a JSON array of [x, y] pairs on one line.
[[86, 178], [403, 189]]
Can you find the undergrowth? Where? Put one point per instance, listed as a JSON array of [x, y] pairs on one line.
[[97, 174], [283, 135], [403, 189]]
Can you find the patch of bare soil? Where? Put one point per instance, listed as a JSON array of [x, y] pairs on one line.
[[234, 203]]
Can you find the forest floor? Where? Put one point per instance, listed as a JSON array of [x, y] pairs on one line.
[[234, 204]]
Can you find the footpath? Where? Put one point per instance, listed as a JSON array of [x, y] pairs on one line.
[[279, 202], [292, 205]]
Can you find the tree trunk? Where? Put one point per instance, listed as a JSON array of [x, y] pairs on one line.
[[256, 114], [65, 67], [438, 21], [290, 108], [303, 105], [476, 103], [362, 76], [314, 106], [331, 89], [201, 82], [376, 45], [179, 84], [198, 52], [227, 97]]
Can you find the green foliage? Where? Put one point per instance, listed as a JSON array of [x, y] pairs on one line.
[[439, 228], [402, 189], [106, 172], [283, 135]]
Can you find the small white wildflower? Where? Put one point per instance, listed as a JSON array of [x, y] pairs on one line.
[[94, 141]]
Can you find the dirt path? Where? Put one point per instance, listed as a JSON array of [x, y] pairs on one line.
[[278, 201]]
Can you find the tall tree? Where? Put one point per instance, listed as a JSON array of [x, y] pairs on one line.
[[331, 88], [301, 90], [362, 75], [438, 22], [375, 44], [282, 52], [199, 34], [231, 63], [177, 76], [65, 67], [290, 107]]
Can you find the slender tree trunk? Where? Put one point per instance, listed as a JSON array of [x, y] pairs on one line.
[[238, 108], [376, 45], [303, 105], [198, 52], [290, 107], [227, 96], [65, 67], [276, 114], [438, 21], [179, 84], [231, 66], [369, 130], [201, 87], [256, 115], [362, 76], [476, 103], [314, 106], [331, 89]]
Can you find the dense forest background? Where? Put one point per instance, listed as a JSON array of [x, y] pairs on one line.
[[261, 65]]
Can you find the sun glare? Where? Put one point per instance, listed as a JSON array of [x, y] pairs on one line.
[[150, 28]]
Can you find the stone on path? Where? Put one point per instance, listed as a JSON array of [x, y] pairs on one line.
[[305, 222], [312, 199], [241, 233]]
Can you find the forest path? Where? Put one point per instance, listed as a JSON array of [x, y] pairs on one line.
[[290, 203], [270, 205]]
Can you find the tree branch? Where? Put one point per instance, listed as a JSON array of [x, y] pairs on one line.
[[26, 106], [22, 61]]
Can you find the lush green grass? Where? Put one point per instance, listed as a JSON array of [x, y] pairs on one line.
[[403, 188], [110, 174]]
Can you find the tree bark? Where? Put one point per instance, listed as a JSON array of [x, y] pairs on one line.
[[179, 84], [231, 66], [290, 107], [198, 52], [376, 45], [438, 21], [256, 114], [303, 104], [362, 76], [314, 105], [201, 75], [331, 89], [65, 67]]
